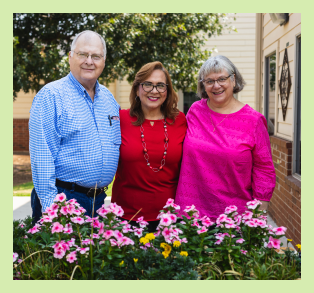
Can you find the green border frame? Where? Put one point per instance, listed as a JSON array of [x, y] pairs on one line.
[[242, 6]]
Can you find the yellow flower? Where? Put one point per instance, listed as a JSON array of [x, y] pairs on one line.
[[135, 260], [184, 253], [162, 245], [144, 240], [165, 254], [150, 236], [290, 240], [176, 244], [121, 263], [298, 246]]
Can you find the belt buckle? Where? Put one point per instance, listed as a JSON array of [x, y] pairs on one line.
[[91, 192]]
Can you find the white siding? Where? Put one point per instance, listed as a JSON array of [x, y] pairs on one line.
[[239, 47]]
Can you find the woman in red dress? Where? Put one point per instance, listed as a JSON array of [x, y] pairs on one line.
[[152, 132]]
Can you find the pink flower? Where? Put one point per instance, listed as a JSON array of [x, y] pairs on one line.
[[165, 220], [71, 242], [71, 257], [176, 207], [59, 254], [77, 220], [280, 230], [64, 210], [95, 236], [107, 234], [169, 203], [117, 234], [76, 212], [141, 222], [230, 209], [15, 256], [56, 228], [82, 250], [207, 222], [103, 211], [33, 230], [243, 251], [166, 232], [262, 223], [21, 225], [203, 230], [113, 242], [68, 229], [138, 232], [222, 218], [52, 214], [184, 240], [157, 233], [19, 260], [228, 226], [237, 219], [173, 218], [218, 242], [54, 207], [46, 219], [87, 242], [247, 215], [125, 241], [241, 240], [195, 223], [60, 197], [251, 223], [253, 204], [273, 243]]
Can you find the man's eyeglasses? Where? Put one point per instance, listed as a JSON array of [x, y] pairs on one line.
[[83, 56], [211, 82], [148, 87]]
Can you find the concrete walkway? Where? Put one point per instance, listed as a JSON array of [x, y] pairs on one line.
[[22, 209]]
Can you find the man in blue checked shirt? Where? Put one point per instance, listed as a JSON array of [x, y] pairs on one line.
[[74, 131]]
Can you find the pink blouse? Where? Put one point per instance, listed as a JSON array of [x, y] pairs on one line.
[[229, 166]]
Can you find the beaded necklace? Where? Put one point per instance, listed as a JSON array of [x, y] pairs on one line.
[[146, 156]]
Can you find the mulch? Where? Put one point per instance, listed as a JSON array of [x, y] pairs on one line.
[[22, 172]]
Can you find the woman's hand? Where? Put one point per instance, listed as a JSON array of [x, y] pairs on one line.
[[264, 205]]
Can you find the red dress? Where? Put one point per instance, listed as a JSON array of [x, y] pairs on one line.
[[136, 186]]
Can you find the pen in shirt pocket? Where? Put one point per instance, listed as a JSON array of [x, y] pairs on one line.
[[113, 118]]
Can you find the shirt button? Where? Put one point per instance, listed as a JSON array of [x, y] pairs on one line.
[[104, 163]]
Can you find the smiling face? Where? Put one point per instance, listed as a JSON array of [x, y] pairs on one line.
[[220, 94], [152, 101], [87, 71]]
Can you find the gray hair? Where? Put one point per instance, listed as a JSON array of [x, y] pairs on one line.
[[88, 32], [217, 64]]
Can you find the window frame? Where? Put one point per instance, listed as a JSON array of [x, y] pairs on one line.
[[296, 154]]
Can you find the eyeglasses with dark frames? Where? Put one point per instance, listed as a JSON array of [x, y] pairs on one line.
[[148, 87], [210, 82]]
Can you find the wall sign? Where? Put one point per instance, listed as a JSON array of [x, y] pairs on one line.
[[285, 84]]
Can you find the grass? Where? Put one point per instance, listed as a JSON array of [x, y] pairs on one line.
[[24, 186], [25, 189]]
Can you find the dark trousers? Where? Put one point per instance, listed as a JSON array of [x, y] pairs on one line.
[[85, 202]]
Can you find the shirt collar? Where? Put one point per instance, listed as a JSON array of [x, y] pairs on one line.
[[80, 88]]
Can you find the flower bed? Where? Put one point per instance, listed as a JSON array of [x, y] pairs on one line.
[[66, 244]]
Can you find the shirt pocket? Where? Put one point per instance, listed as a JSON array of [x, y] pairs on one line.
[[116, 132]]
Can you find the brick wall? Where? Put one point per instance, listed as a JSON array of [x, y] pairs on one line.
[[20, 135], [285, 205]]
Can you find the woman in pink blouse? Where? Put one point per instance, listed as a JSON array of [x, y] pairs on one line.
[[227, 157]]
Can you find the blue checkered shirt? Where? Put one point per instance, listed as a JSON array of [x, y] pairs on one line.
[[72, 138]]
